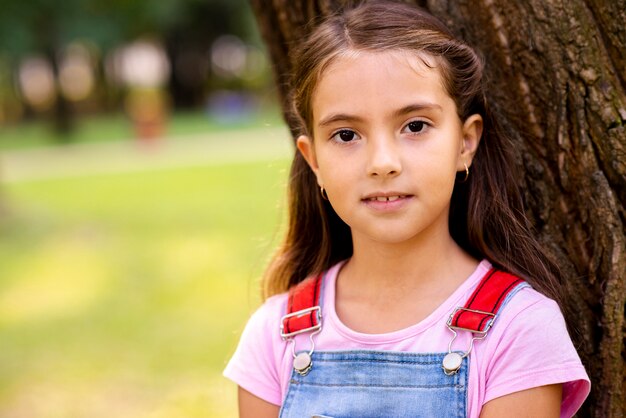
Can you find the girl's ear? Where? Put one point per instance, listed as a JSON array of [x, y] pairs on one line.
[[472, 132], [306, 148]]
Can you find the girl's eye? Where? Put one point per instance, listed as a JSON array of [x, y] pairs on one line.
[[416, 126], [345, 135]]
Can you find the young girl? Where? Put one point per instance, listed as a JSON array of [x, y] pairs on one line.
[[409, 284]]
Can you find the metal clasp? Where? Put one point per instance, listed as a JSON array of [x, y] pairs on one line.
[[302, 360], [453, 360], [300, 314], [483, 332]]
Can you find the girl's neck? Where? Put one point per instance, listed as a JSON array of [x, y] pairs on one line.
[[434, 261], [385, 287]]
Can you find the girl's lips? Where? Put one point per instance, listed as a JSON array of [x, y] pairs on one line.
[[386, 201], [386, 198]]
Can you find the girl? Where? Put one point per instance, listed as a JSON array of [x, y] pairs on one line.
[[415, 286]]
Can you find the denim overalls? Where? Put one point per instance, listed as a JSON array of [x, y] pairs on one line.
[[369, 384], [375, 384]]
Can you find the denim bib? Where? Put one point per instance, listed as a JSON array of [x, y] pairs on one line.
[[375, 384]]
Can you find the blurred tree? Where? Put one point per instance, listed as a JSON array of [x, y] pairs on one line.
[[558, 71], [46, 26], [189, 42], [38, 26], [187, 26]]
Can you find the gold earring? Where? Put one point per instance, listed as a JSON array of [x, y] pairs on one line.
[[323, 192], [466, 173]]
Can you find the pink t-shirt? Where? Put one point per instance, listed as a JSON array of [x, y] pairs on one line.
[[528, 346]]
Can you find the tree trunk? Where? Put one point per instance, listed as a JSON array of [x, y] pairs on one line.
[[558, 75], [62, 117]]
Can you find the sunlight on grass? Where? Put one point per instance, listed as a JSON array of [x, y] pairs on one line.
[[123, 295], [62, 278]]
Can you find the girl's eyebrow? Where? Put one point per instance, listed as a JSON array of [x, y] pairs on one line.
[[344, 117], [415, 107], [339, 117]]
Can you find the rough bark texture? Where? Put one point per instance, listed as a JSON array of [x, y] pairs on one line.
[[558, 76]]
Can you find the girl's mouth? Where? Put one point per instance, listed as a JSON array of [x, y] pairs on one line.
[[385, 198], [387, 202]]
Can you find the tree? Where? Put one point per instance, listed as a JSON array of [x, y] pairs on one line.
[[558, 75]]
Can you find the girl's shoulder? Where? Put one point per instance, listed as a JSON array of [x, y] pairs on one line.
[[523, 306], [529, 346], [266, 319], [274, 305], [529, 310], [530, 319], [257, 361]]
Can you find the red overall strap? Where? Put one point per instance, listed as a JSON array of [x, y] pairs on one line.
[[476, 315], [485, 302], [304, 295]]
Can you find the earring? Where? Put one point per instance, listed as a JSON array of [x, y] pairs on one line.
[[323, 192], [466, 173]]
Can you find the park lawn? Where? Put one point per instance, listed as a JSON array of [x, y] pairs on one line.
[[117, 127], [123, 295]]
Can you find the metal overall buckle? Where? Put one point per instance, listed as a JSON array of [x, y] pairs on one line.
[[453, 360], [302, 362]]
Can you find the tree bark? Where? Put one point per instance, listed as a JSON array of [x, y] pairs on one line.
[[558, 81]]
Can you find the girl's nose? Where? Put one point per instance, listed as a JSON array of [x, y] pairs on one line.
[[384, 158]]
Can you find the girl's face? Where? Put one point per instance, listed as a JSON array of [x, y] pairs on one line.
[[387, 144]]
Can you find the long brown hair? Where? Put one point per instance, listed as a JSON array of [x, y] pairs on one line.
[[486, 216]]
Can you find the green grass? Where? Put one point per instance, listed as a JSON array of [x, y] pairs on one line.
[[117, 127], [123, 295]]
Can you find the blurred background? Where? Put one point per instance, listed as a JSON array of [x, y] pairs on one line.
[[143, 166]]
